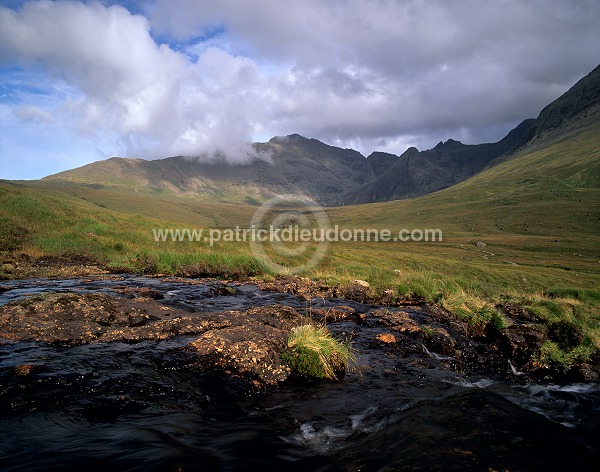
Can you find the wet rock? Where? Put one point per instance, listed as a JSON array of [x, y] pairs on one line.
[[386, 338], [24, 369], [245, 344], [141, 292], [586, 374], [253, 349], [399, 321], [356, 292], [248, 344], [518, 342], [300, 286], [437, 339], [223, 290], [74, 318], [334, 314]]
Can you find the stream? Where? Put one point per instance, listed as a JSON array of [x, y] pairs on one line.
[[137, 406]]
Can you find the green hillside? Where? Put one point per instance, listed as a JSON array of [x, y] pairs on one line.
[[73, 225]]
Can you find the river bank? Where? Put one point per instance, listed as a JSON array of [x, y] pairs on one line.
[[168, 372]]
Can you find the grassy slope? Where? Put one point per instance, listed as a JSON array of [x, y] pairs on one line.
[[39, 222], [538, 214]]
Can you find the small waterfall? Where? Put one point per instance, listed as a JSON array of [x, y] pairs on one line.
[[434, 355], [514, 370]]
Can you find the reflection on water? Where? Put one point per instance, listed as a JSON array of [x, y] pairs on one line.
[[146, 406]]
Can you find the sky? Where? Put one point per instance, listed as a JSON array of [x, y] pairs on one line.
[[82, 81]]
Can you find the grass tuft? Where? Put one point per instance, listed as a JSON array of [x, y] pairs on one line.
[[315, 353]]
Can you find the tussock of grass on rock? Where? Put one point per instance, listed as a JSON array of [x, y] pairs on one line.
[[316, 353]]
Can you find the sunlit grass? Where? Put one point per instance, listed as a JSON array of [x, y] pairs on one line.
[[315, 353]]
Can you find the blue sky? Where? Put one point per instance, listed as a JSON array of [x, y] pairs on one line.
[[84, 80]]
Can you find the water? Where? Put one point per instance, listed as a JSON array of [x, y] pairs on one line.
[[147, 406]]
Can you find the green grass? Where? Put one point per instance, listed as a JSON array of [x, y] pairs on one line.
[[40, 223], [315, 353]]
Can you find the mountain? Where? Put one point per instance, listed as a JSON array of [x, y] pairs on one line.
[[579, 106], [417, 173], [334, 176], [295, 165]]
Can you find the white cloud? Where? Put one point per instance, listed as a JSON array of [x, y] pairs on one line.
[[153, 100]]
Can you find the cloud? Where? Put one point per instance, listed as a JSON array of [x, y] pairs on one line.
[[150, 97], [380, 70], [32, 114], [187, 77]]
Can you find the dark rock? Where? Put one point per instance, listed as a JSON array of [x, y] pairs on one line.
[[386, 338], [586, 374], [439, 341], [253, 348], [580, 101], [356, 292], [74, 318], [517, 342], [24, 369], [333, 314], [247, 345]]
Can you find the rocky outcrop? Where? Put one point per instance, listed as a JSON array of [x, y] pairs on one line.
[[73, 318], [245, 344], [252, 347]]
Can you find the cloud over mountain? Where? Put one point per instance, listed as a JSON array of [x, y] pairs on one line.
[[159, 78]]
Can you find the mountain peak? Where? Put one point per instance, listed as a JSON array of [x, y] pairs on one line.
[[332, 175], [289, 138], [448, 143]]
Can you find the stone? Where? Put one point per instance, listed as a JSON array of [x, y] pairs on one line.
[[386, 338], [519, 342], [24, 369], [223, 290]]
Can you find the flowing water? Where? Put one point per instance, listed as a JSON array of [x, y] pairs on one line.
[[118, 406]]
